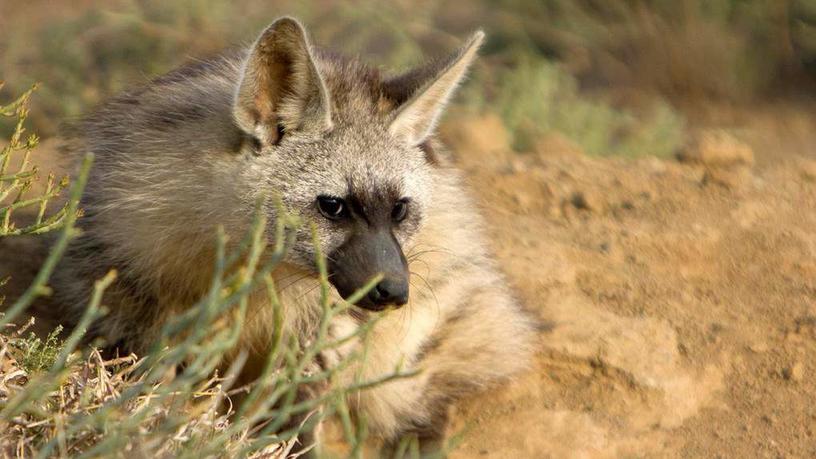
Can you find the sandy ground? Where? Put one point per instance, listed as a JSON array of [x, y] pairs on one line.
[[677, 299]]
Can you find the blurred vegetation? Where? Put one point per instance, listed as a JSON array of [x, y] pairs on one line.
[[577, 54], [539, 97], [735, 49]]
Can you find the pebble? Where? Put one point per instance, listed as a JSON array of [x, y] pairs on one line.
[[717, 148], [586, 201], [732, 179], [795, 372], [808, 169], [759, 347]]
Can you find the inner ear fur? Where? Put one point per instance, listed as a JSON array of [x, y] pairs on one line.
[[421, 94], [281, 89]]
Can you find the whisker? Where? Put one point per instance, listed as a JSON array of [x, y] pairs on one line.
[[428, 286], [423, 252], [310, 290], [405, 324], [289, 276], [420, 250], [302, 277], [427, 266]]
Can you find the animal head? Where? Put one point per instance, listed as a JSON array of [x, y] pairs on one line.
[[347, 150]]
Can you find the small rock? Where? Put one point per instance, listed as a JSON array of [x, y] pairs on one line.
[[795, 372], [567, 211], [717, 148], [554, 212], [522, 199], [793, 337], [732, 179], [517, 166], [584, 200], [759, 347], [808, 169], [657, 166]]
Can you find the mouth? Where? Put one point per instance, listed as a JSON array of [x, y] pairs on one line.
[[385, 295], [369, 305]]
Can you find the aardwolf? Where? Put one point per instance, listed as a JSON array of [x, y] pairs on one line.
[[344, 146]]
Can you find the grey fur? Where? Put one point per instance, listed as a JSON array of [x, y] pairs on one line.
[[192, 149]]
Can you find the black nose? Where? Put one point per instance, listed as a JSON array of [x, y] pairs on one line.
[[389, 291]]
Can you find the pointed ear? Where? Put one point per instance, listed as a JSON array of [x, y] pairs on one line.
[[280, 86], [423, 93]]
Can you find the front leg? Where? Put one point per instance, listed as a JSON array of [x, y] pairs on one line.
[[310, 424], [485, 341]]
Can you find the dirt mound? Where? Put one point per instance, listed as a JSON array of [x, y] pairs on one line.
[[677, 302]]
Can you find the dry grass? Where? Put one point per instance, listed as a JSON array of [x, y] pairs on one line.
[[94, 383]]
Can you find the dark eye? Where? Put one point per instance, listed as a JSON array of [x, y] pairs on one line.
[[400, 210], [331, 208]]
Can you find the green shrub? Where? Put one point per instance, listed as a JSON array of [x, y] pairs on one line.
[[38, 355], [535, 98]]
